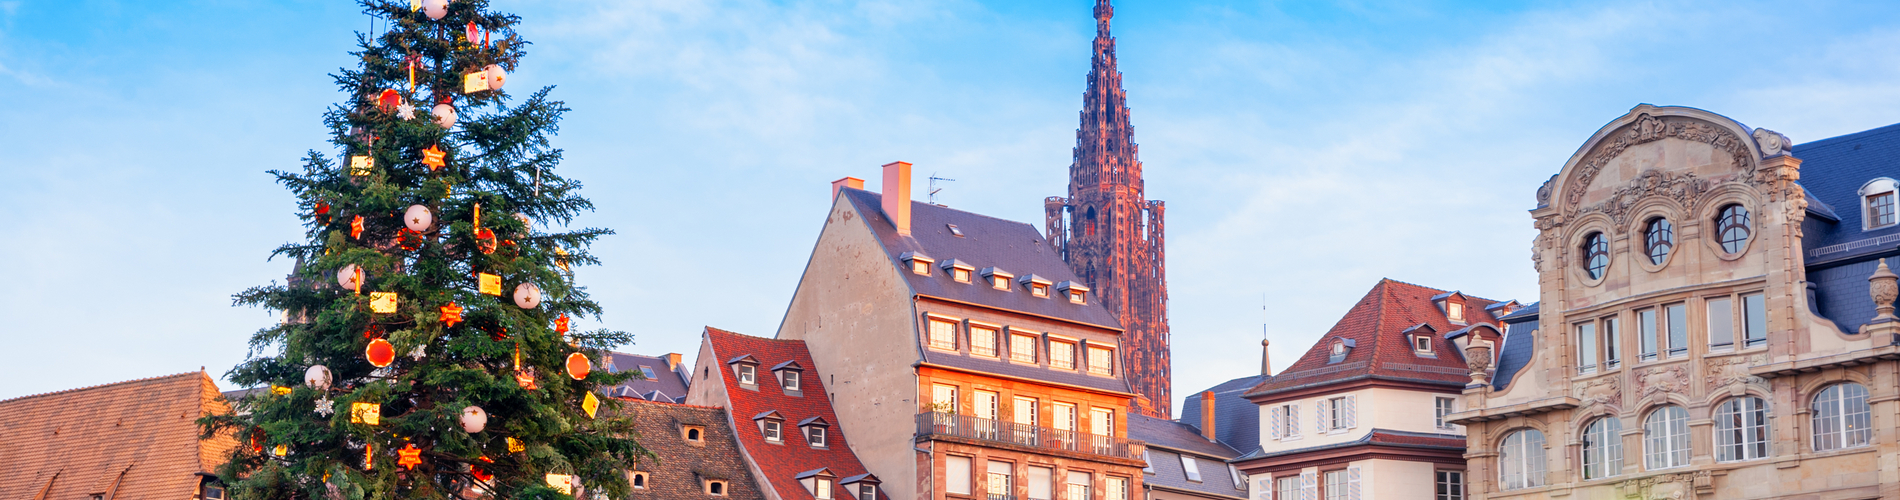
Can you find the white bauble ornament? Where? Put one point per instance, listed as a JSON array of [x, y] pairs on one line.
[[496, 76], [350, 277], [527, 296], [435, 9], [418, 218], [444, 115], [317, 377], [474, 419]]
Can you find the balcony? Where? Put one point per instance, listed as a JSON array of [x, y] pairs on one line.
[[1033, 439]]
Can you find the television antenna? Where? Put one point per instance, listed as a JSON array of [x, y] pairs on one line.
[[933, 186]]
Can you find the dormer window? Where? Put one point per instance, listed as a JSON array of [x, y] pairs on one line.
[[861, 487], [998, 278], [820, 482], [693, 434], [772, 426], [940, 332], [1422, 344], [213, 492], [919, 263], [1022, 347], [1455, 312], [1341, 347], [790, 377], [1877, 203], [816, 431], [1038, 286], [959, 270], [637, 479], [1061, 354], [1101, 360], [716, 487], [1077, 293], [748, 375]]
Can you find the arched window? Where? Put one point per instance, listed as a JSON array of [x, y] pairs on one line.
[[1741, 429], [1603, 448], [1732, 228], [1659, 237], [1521, 460], [1088, 222], [1596, 255], [1666, 438], [1877, 203], [1841, 417]]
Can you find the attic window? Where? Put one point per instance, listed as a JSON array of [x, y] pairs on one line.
[[746, 368], [1341, 347], [959, 270], [788, 379], [954, 230], [998, 278], [716, 487], [1038, 286], [213, 492], [1877, 200], [1077, 293], [748, 374], [637, 479], [1455, 312], [819, 482], [919, 263], [816, 432], [693, 433], [1422, 344], [647, 371]]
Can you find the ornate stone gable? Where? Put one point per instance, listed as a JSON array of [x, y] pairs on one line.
[[1647, 129], [1684, 189]]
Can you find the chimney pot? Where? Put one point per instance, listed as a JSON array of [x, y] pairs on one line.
[[896, 195], [847, 182], [1207, 415]]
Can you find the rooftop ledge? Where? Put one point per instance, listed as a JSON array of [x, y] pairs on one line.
[[1516, 410], [1810, 365]]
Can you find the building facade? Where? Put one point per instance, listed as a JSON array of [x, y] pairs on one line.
[[1363, 414], [964, 356], [1714, 321], [1110, 233]]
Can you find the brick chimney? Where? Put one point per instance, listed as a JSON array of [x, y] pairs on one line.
[[672, 361], [847, 182], [896, 195], [1207, 415]]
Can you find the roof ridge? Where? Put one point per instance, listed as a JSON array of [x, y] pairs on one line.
[[664, 403], [123, 382], [1843, 137], [1460, 292], [730, 332], [947, 207]]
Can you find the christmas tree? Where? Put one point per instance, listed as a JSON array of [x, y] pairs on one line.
[[425, 350]]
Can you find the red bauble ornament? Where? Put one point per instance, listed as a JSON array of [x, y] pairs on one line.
[[380, 353], [578, 366], [485, 240], [388, 100]]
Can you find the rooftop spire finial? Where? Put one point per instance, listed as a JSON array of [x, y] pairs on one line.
[[1104, 11]]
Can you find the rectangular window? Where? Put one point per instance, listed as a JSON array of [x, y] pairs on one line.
[[999, 480], [1117, 488], [1022, 349], [1451, 485], [1678, 320], [1039, 290], [1335, 485], [986, 405], [1102, 421], [1042, 483], [1422, 344], [772, 431], [748, 374], [960, 274], [1721, 323], [1078, 485], [1101, 361], [1061, 355], [647, 371], [999, 282], [1191, 467], [943, 398], [789, 379], [1025, 410], [816, 436], [1064, 416], [1336, 413], [867, 491], [943, 334], [1880, 210], [823, 489], [956, 475], [982, 340], [1612, 343], [1586, 347], [1455, 312], [1442, 407], [1646, 321], [1754, 320], [1289, 488]]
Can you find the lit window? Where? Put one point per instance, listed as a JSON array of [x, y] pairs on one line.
[[1101, 360], [943, 334], [1732, 228], [1841, 418], [1442, 407], [1455, 312], [1596, 255], [1451, 485], [1741, 429], [1022, 349], [1521, 460], [1603, 448], [1878, 197], [1061, 355], [982, 340], [1666, 438], [1659, 237]]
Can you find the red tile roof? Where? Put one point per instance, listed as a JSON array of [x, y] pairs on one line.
[[781, 463], [129, 440], [1375, 325]]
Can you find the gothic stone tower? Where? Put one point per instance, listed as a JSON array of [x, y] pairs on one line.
[[1109, 233]]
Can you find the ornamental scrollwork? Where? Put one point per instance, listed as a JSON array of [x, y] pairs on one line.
[[1670, 379], [1647, 129], [1684, 189], [1732, 370]]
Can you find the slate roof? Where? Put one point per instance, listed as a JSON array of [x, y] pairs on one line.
[[1841, 255], [670, 382], [680, 466], [1236, 420], [781, 463], [136, 440], [1520, 344], [1217, 480], [1373, 326], [1176, 435]]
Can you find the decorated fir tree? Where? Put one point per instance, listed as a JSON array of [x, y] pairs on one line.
[[425, 349]]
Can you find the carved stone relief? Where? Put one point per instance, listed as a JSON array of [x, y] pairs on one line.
[[1648, 129], [1677, 486], [1684, 189], [1671, 379], [1606, 391], [1772, 143], [1732, 370]]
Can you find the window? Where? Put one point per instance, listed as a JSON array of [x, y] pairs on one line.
[[1878, 197], [637, 479], [1078, 485], [1841, 418], [1336, 413], [1061, 355], [1078, 297], [1678, 320], [1041, 483], [789, 379], [1117, 488], [1521, 460], [748, 374], [943, 398], [1659, 237], [1450, 485], [716, 487], [919, 263], [772, 431], [1603, 448], [1741, 429], [1335, 485], [999, 279], [1596, 255], [920, 267], [1721, 322], [1039, 290], [1022, 348], [1101, 360], [1240, 480], [1286, 422], [1442, 407], [647, 371], [1732, 228], [956, 474], [822, 489], [1422, 344], [1754, 320], [1102, 421], [1646, 321], [1289, 488], [694, 433], [1666, 438], [982, 340], [954, 230], [1065, 416], [867, 491], [998, 480], [1612, 344], [960, 274], [1455, 312], [1586, 347], [213, 492], [1148, 458], [816, 436], [1025, 410], [943, 334], [1191, 467], [986, 405]]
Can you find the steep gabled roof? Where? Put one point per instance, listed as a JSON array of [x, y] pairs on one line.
[[781, 463], [135, 439], [680, 465], [1373, 326], [665, 379]]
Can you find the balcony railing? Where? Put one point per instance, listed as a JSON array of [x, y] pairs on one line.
[[997, 431]]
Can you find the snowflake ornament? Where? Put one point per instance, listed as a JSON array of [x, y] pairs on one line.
[[406, 111], [420, 352], [326, 407]]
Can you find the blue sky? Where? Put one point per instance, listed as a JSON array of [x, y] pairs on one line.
[[1305, 149]]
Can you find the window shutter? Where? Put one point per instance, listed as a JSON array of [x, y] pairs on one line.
[[1352, 482], [1293, 421], [1278, 420], [1352, 411], [1324, 422], [1265, 487], [1309, 486]]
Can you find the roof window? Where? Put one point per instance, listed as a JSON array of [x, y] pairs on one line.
[[1077, 293], [816, 431], [637, 479], [790, 377], [959, 270], [919, 263], [819, 482], [746, 369], [693, 434], [1877, 203], [1341, 347], [1038, 286], [715, 487], [864, 486], [998, 278], [772, 425], [954, 231]]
